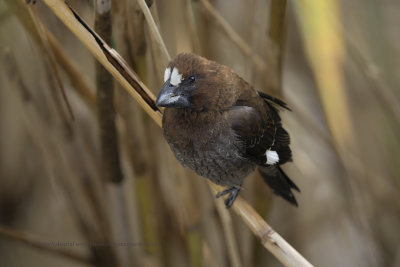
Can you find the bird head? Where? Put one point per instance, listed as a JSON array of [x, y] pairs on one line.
[[192, 82]]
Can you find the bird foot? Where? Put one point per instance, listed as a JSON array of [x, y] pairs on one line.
[[233, 193]]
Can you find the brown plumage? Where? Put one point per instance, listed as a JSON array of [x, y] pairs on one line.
[[219, 126]]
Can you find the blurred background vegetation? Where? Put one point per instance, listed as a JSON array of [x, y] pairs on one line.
[[72, 178]]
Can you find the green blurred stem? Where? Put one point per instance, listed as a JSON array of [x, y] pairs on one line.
[[194, 242], [145, 199], [276, 33]]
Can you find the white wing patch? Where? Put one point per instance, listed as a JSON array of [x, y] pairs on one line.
[[176, 78], [167, 74], [272, 157]]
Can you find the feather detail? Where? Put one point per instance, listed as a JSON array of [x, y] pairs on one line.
[[272, 157], [167, 74], [176, 78]]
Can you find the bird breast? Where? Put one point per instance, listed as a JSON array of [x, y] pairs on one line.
[[208, 147]]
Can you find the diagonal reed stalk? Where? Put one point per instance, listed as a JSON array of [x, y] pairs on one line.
[[111, 60], [38, 243], [232, 34], [154, 29]]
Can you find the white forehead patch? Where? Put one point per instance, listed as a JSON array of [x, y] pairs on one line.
[[167, 74], [272, 157], [176, 78]]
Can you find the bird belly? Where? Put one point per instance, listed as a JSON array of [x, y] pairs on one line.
[[217, 160]]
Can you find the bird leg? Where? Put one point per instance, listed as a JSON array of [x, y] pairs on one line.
[[233, 192]]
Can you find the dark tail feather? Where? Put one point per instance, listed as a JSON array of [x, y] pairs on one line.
[[279, 182]]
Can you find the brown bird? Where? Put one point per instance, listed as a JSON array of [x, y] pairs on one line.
[[220, 127]]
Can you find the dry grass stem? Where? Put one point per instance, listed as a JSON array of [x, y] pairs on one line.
[[190, 19], [379, 88], [38, 243], [234, 36], [276, 34], [154, 30], [110, 59], [229, 234], [50, 60], [330, 78], [270, 239], [79, 82]]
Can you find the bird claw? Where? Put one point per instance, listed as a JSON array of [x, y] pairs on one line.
[[233, 193]]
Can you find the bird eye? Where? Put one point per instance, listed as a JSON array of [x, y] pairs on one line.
[[191, 79]]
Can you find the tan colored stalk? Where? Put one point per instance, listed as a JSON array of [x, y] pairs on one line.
[[232, 34], [227, 227], [154, 30], [190, 20], [107, 56], [116, 65], [78, 81], [276, 34], [38, 243], [50, 61]]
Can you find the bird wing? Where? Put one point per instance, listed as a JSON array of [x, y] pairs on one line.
[[257, 125], [274, 100]]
